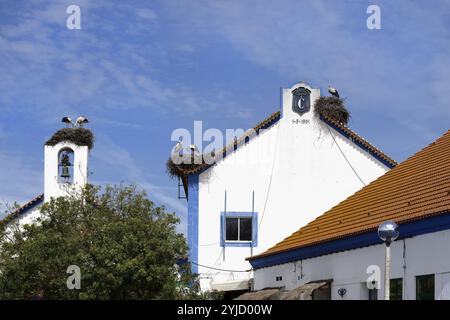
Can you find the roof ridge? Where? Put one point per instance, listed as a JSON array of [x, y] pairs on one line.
[[276, 115]]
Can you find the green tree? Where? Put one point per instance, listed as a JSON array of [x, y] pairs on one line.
[[125, 247]]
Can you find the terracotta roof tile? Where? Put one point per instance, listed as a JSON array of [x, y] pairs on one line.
[[415, 189]]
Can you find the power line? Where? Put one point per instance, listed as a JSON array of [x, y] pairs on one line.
[[342, 152], [226, 270], [209, 244], [271, 176], [215, 263]]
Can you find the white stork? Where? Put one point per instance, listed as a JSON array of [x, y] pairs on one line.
[[193, 148], [81, 120], [333, 91], [177, 148], [67, 121]]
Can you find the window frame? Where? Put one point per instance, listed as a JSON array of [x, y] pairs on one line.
[[434, 285], [239, 243], [391, 286]]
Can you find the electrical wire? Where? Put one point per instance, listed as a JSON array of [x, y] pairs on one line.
[[343, 154], [214, 265], [209, 244], [271, 176], [226, 270]]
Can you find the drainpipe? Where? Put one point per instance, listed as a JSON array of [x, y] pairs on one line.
[[253, 217], [224, 234]]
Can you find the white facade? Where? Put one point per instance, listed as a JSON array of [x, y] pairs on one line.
[[295, 171], [420, 255]]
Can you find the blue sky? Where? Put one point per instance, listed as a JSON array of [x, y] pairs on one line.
[[140, 69]]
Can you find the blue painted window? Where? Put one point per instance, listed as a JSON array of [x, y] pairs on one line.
[[239, 229]]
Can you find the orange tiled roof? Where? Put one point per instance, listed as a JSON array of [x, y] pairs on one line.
[[417, 188]]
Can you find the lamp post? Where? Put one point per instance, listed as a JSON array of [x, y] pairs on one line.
[[387, 231]]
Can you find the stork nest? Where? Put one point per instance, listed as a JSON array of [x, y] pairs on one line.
[[182, 169], [78, 136], [179, 170], [332, 108]]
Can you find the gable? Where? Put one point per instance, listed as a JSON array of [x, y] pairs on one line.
[[273, 119]]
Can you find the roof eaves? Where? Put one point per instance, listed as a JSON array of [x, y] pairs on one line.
[[348, 235]]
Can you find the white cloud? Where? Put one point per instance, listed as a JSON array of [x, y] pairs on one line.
[[326, 42], [146, 13]]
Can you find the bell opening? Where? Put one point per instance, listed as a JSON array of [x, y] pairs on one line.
[[65, 166]]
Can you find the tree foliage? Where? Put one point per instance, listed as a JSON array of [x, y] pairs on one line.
[[125, 246]]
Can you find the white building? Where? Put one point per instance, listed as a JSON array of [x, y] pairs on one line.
[[295, 167], [60, 178], [334, 255]]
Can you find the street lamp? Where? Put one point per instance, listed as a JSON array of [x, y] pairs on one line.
[[387, 231]]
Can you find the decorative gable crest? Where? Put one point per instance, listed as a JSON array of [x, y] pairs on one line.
[[301, 100]]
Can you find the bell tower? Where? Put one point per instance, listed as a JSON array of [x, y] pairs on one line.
[[66, 156]]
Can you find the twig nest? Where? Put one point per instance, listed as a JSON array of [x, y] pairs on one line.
[[180, 170], [78, 136], [332, 108]]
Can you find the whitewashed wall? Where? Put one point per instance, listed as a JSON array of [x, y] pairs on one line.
[[424, 254], [310, 176]]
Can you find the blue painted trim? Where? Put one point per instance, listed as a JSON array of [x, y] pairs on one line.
[[359, 144], [281, 102], [192, 225], [407, 230], [239, 214]]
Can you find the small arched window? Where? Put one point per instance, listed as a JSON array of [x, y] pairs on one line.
[[65, 165]]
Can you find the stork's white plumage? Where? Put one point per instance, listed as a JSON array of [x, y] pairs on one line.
[[177, 147], [67, 121], [333, 91], [193, 148], [82, 120]]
